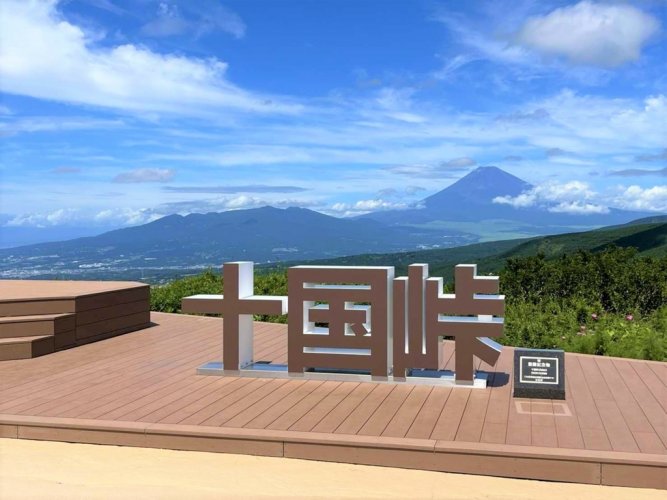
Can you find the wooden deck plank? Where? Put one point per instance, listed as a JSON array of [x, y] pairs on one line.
[[51, 389], [291, 416], [109, 397], [448, 423], [222, 387], [618, 432], [234, 406], [594, 378], [642, 431], [660, 369], [363, 411], [332, 420], [614, 407], [95, 357], [494, 429], [317, 413], [429, 413], [568, 432], [378, 421], [519, 422], [472, 420], [264, 404], [543, 423], [652, 382], [406, 414], [162, 408], [651, 408], [243, 392], [590, 423], [267, 417]]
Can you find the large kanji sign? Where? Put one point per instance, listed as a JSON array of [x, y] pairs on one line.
[[363, 319]]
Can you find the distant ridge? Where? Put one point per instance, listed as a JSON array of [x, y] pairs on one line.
[[649, 239], [261, 234], [460, 214], [470, 199]]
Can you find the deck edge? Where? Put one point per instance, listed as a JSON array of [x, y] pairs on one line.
[[564, 465]]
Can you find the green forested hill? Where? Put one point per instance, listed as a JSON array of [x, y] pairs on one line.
[[649, 239]]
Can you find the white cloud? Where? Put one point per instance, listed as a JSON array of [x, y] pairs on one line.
[[523, 200], [444, 170], [637, 198], [577, 207], [570, 197], [579, 198], [397, 104], [168, 22], [225, 203], [460, 162], [365, 206], [145, 175], [54, 218], [126, 216], [196, 17], [42, 55], [606, 35], [56, 124], [78, 217]]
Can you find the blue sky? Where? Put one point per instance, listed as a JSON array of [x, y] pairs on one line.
[[115, 112]]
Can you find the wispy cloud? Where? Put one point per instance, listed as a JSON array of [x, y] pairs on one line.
[[646, 157], [199, 18], [551, 152], [638, 172], [462, 162], [224, 203], [65, 170], [37, 124], [145, 175], [251, 188], [449, 169]]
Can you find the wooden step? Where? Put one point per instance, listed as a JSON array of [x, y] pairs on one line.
[[26, 347], [36, 324]]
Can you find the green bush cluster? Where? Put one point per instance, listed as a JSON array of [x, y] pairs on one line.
[[611, 302], [167, 298]]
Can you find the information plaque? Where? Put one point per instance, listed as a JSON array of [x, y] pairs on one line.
[[539, 373]]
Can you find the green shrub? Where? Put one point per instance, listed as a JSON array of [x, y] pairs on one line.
[[611, 303]]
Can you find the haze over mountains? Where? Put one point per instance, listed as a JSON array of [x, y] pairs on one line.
[[460, 214]]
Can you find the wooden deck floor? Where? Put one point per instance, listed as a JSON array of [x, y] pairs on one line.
[[141, 389]]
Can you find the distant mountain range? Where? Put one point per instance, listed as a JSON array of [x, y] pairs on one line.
[[471, 200], [461, 214], [203, 240]]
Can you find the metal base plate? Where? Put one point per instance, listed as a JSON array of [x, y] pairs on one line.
[[417, 377]]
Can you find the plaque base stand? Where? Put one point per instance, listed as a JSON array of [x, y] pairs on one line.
[[539, 393], [443, 378]]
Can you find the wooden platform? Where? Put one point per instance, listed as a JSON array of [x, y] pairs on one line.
[[40, 317], [141, 389]]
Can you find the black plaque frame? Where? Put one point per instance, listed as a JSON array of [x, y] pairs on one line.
[[554, 388]]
